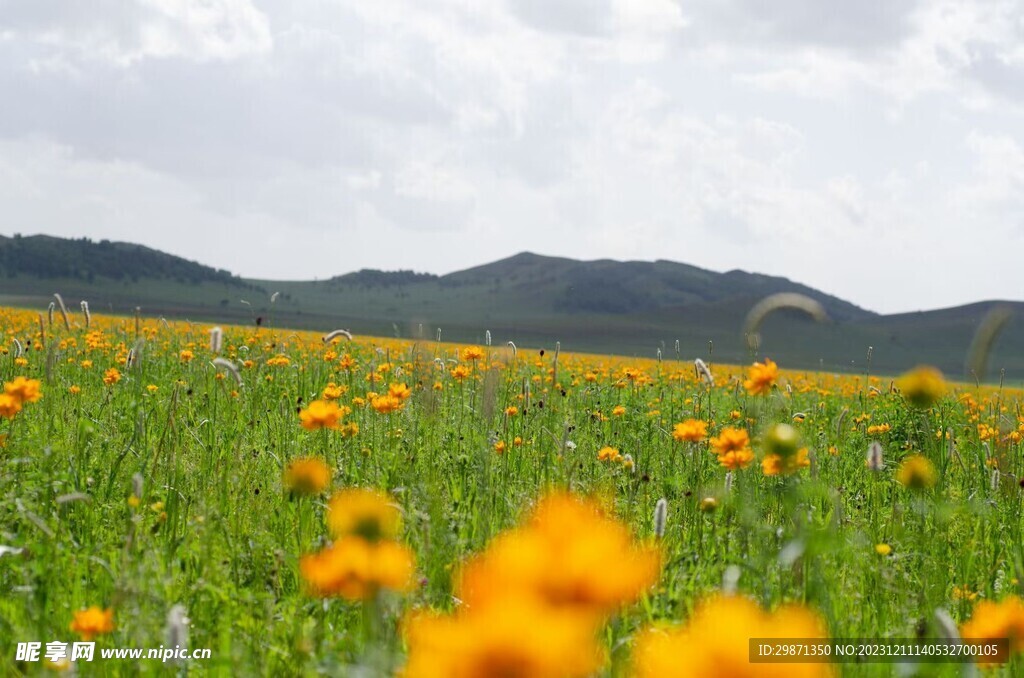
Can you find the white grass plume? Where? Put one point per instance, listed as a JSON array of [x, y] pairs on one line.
[[703, 371], [63, 310], [660, 517], [874, 458], [229, 367], [216, 339], [330, 336]]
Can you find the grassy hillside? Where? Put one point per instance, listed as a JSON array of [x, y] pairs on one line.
[[632, 308]]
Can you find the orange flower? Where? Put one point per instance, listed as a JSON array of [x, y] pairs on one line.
[[320, 414], [762, 377], [922, 386], [399, 391], [111, 376], [917, 473], [732, 446], [715, 642], [369, 514], [774, 464], [472, 353], [387, 403], [356, 569], [9, 405], [460, 372], [24, 390], [736, 459], [186, 356], [691, 430], [608, 454], [307, 475], [93, 621], [569, 555], [730, 440], [332, 391], [1004, 619], [518, 637]]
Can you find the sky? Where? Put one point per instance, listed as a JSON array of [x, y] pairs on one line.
[[871, 149]]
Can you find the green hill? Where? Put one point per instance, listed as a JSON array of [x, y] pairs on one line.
[[632, 308]]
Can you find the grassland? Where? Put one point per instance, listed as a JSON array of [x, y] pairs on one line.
[[146, 478]]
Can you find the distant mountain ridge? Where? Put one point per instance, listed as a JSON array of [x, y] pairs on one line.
[[626, 307], [49, 257]]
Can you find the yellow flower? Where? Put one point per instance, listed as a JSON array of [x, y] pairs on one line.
[[608, 454], [399, 391], [715, 642], [152, 388], [518, 637], [472, 353], [917, 473], [92, 622], [782, 440], [1004, 619], [499, 447], [111, 376], [460, 372], [511, 411], [922, 386], [964, 592], [762, 377], [320, 414], [307, 475], [332, 391], [24, 390], [387, 403], [883, 549], [356, 569], [365, 513], [186, 356], [9, 406], [736, 459], [730, 440], [74, 389], [618, 411], [569, 554], [774, 464], [691, 430]]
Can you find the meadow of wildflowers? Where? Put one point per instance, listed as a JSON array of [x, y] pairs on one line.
[[305, 504]]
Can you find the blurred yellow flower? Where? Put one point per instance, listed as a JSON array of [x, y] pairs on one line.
[[762, 377], [24, 390], [369, 514], [307, 475], [922, 386], [516, 637], [92, 622], [357, 569], [320, 414], [1004, 619], [691, 430], [715, 642], [917, 473]]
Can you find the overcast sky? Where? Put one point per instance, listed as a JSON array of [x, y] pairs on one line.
[[873, 149]]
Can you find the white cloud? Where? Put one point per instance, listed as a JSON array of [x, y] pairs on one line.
[[832, 143]]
